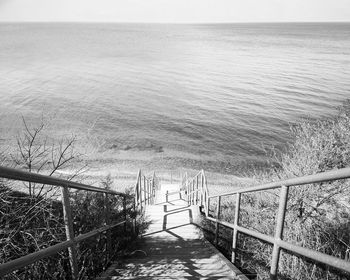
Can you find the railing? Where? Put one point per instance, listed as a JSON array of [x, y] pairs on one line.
[[145, 189], [196, 189], [71, 240], [197, 193], [144, 192]]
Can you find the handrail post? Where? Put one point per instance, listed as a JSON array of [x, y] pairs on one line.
[[235, 231], [125, 213], [68, 223], [190, 192], [153, 188], [196, 202], [147, 189], [137, 202], [279, 231], [150, 191], [144, 190], [187, 192], [193, 191], [108, 233], [140, 191], [206, 197], [201, 193], [217, 221], [134, 224]]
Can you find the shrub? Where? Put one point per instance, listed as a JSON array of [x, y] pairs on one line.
[[317, 214], [33, 220], [32, 223]]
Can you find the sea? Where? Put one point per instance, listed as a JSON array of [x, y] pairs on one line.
[[213, 96]]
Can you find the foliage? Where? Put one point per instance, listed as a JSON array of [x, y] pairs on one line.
[[34, 220], [318, 215]]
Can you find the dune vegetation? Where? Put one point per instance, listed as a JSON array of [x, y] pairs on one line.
[[318, 215], [31, 215]]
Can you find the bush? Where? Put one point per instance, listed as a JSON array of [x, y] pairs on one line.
[[32, 223], [318, 215], [33, 220]]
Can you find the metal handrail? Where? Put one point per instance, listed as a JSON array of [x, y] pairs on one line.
[[36, 256], [193, 192], [147, 187], [145, 190], [332, 175], [21, 175], [70, 243]]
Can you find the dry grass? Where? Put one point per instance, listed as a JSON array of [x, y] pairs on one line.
[[318, 215], [31, 215]]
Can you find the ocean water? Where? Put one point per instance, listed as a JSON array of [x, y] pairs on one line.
[[208, 95]]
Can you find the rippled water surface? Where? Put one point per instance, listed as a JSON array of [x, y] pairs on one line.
[[202, 93]]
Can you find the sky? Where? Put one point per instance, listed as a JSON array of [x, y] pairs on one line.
[[175, 11]]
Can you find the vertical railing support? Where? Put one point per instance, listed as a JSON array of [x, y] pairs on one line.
[[191, 191], [279, 231], [68, 223], [167, 196], [186, 190], [140, 191], [125, 213], [108, 233], [196, 202], [235, 231], [144, 190], [147, 191], [153, 188], [207, 200], [194, 192], [137, 202], [217, 221], [201, 191], [134, 224]]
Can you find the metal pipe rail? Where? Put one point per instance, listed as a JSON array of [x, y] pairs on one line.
[[70, 243], [194, 191], [332, 175], [144, 193], [36, 256], [20, 175], [145, 190]]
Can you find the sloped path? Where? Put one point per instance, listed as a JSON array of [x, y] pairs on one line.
[[173, 246]]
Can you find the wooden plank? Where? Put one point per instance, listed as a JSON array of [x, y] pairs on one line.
[[173, 247]]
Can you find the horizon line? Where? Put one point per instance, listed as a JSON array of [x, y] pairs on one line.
[[189, 22]]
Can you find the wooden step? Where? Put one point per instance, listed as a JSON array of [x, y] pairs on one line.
[[173, 246]]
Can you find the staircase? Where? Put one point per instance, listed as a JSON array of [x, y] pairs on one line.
[[173, 246]]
